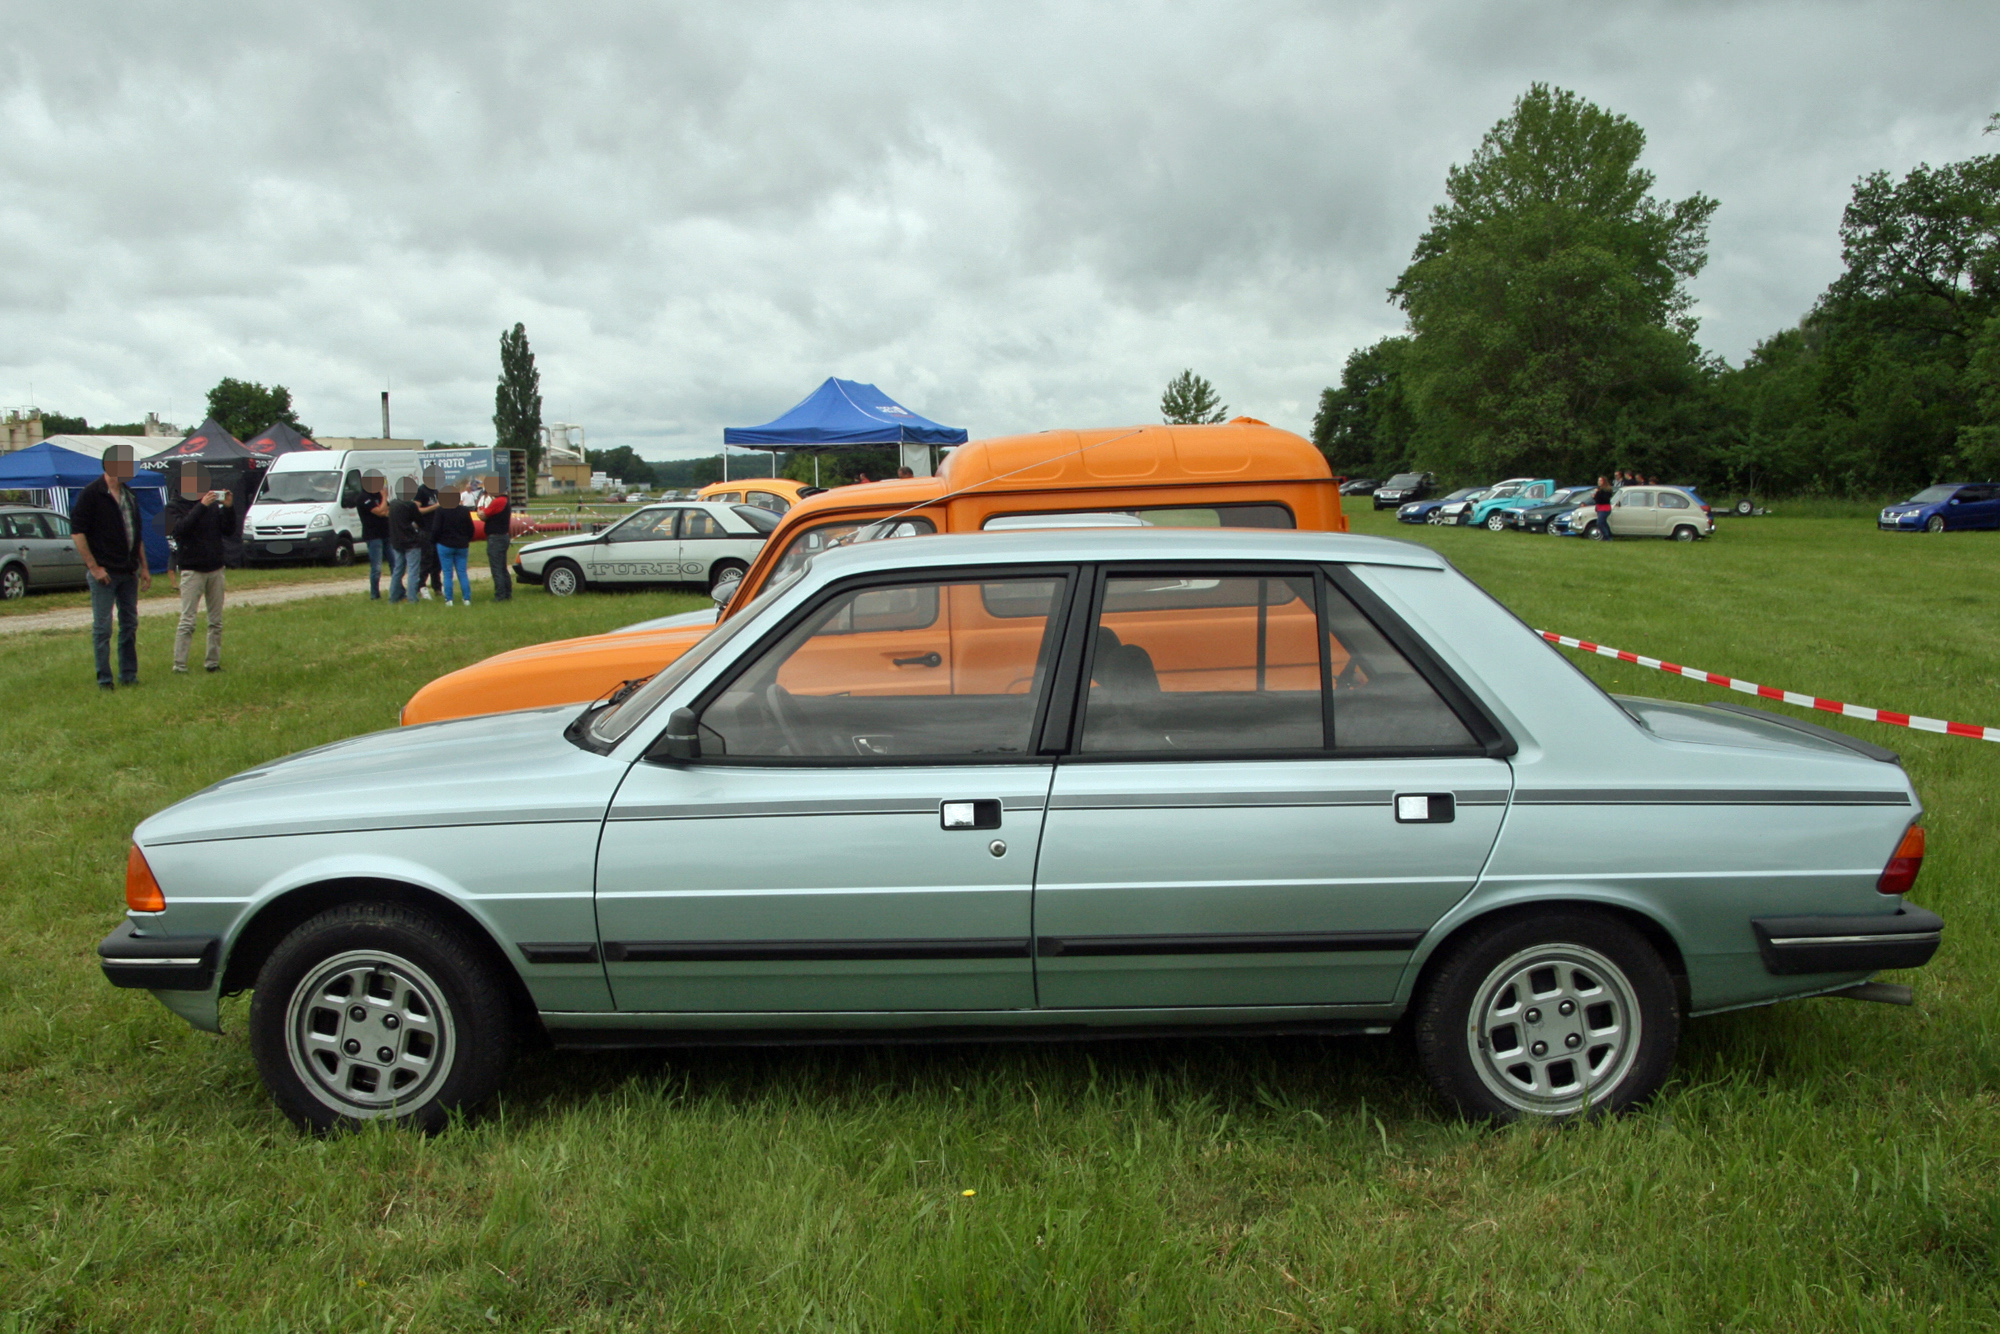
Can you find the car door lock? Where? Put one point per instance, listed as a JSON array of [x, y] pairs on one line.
[[1425, 808], [969, 814]]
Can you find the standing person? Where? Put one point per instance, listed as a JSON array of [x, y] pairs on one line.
[[104, 526], [427, 505], [406, 542], [452, 529], [374, 509], [189, 484], [199, 535], [498, 515], [1602, 500]]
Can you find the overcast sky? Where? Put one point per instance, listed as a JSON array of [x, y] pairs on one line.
[[1011, 216]]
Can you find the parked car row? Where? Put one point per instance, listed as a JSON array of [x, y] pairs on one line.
[[1538, 505]]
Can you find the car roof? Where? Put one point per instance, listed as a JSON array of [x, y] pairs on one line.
[[1063, 546]]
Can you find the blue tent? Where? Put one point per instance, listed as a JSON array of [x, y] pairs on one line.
[[47, 467], [844, 412]]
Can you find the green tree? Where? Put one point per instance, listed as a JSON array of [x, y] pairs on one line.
[[1364, 426], [245, 408], [621, 462], [54, 423], [517, 399], [1547, 302], [1191, 401]]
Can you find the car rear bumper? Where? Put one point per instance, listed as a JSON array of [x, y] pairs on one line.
[[1845, 944], [158, 963]]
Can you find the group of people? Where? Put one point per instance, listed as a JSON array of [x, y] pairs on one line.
[[423, 531]]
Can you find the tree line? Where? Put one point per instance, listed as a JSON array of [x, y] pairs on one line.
[[1549, 331]]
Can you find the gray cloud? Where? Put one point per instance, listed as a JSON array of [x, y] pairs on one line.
[[1009, 216]]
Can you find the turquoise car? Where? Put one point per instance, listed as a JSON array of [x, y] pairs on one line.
[[1050, 784], [1517, 494]]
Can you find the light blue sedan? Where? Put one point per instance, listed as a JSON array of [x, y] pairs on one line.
[[1044, 783]]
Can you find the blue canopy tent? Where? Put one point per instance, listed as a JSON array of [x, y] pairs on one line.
[[843, 414], [59, 471]]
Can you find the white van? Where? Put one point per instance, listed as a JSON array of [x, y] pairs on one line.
[[307, 507]]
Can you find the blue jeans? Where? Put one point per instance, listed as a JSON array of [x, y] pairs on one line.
[[1604, 523], [405, 573], [378, 554], [123, 593], [453, 559]]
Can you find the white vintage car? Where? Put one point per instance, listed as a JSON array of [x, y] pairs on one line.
[[691, 542]]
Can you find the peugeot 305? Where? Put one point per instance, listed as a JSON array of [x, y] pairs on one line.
[[1044, 784]]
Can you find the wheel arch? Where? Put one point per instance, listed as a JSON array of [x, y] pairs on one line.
[[13, 562], [1432, 953], [281, 915]]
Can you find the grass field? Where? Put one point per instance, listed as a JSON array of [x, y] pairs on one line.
[[1821, 1165]]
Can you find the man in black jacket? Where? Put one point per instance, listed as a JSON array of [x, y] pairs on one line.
[[208, 519], [104, 526], [406, 541]]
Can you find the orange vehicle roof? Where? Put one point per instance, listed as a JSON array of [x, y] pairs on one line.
[[1134, 455], [784, 486]]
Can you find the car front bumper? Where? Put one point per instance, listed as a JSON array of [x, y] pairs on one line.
[[1906, 523], [1845, 944], [522, 574], [158, 963], [317, 545]]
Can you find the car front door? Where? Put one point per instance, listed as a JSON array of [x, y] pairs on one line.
[[642, 549], [1632, 513], [1268, 802], [861, 829]]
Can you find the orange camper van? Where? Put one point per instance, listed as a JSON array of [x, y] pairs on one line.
[[1241, 474]]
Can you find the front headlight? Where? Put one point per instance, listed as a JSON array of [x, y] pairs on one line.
[[321, 520]]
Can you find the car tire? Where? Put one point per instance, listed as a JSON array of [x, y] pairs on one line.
[[13, 583], [563, 577], [1592, 986], [343, 550], [1745, 508], [1685, 532], [1495, 524], [1597, 531], [1935, 524], [725, 570], [376, 1011]]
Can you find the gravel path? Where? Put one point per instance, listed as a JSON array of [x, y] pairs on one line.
[[78, 618]]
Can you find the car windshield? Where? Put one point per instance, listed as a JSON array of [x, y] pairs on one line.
[[292, 488], [1502, 492], [1463, 493], [1931, 495], [612, 724], [1406, 479], [1574, 494]]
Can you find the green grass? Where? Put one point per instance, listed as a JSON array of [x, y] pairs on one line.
[[1820, 1165]]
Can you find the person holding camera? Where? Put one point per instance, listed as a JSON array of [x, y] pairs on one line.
[[208, 518]]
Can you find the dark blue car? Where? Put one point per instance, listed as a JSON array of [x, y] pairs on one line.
[[1420, 511], [1946, 507]]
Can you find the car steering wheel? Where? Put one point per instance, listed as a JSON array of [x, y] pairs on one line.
[[785, 713]]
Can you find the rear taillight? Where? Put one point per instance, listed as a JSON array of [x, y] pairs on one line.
[[1901, 872], [142, 892]]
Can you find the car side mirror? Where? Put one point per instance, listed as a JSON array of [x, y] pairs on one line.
[[726, 590], [350, 500], [682, 740]]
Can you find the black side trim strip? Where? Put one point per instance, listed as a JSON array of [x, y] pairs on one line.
[[1205, 800], [560, 951], [1844, 944], [775, 951], [996, 1031], [1291, 942], [1676, 796]]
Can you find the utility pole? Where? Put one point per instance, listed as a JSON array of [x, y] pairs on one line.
[[385, 414]]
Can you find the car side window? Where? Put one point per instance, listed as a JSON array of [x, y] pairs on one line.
[[812, 541], [698, 524], [1672, 500], [57, 525], [18, 525], [1191, 665], [646, 527], [904, 671], [765, 500]]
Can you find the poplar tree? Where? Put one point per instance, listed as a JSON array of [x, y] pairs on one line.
[[517, 400], [1191, 401]]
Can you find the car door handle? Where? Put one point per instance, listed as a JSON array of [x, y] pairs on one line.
[[931, 659], [1425, 808], [969, 814]]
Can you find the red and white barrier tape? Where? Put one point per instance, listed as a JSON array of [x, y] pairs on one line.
[[1893, 719]]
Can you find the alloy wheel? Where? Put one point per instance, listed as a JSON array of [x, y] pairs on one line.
[[13, 583], [369, 1034], [1553, 1029]]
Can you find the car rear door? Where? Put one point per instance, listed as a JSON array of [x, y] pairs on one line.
[[860, 833], [53, 560], [1267, 804], [704, 541]]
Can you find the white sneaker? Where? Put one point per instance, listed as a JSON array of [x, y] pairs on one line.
[[425, 593]]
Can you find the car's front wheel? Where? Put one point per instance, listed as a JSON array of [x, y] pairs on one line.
[[1560, 1014], [1936, 524], [343, 550], [1496, 524], [562, 578], [374, 1011]]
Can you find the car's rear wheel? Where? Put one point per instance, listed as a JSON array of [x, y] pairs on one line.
[[1495, 524], [1936, 524], [374, 1011], [562, 578], [13, 583], [724, 571], [1561, 1014], [1685, 533]]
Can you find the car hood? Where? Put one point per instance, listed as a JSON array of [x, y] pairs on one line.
[[298, 512], [558, 543], [707, 616], [566, 671], [515, 766]]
